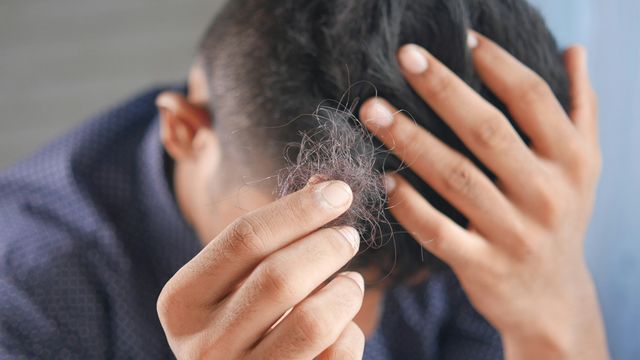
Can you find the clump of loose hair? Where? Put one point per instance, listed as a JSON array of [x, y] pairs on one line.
[[338, 147]]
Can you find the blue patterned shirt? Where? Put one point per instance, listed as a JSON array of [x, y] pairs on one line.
[[90, 232]]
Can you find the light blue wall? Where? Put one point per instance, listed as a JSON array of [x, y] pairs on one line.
[[611, 31]]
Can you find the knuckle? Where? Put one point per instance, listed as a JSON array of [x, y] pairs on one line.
[[435, 243], [274, 281], [576, 149], [535, 90], [501, 273], [546, 200], [246, 236], [525, 249], [491, 133], [578, 160], [520, 239], [518, 231], [460, 178], [439, 85], [439, 232], [539, 186], [433, 235], [550, 214], [313, 326]]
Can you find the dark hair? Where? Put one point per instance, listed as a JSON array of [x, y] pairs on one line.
[[273, 60]]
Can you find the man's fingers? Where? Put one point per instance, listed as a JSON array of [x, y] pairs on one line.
[[450, 173], [251, 238], [349, 346], [584, 105], [480, 125], [316, 323], [282, 280], [436, 232], [527, 96]]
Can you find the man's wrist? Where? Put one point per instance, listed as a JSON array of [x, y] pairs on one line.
[[577, 334], [547, 346]]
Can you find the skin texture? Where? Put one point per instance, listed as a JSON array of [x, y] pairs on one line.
[[520, 260]]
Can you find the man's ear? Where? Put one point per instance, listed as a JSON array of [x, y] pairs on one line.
[[180, 122]]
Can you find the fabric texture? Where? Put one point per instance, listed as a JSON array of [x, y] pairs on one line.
[[90, 232]]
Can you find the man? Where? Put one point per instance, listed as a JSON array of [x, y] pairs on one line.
[[97, 224]]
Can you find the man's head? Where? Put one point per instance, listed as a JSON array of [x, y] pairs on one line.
[[266, 65]]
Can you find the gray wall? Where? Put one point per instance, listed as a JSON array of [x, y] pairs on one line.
[[63, 60]]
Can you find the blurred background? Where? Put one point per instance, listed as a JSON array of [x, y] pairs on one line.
[[63, 60]]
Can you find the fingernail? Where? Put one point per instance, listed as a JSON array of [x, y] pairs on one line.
[[336, 194], [389, 183], [379, 115], [413, 60], [472, 40], [355, 277], [351, 236]]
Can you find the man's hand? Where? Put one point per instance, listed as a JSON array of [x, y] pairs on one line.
[[228, 302], [521, 259]]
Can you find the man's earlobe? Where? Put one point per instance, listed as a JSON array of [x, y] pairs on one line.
[[180, 121]]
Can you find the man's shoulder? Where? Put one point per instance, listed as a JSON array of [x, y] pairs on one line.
[[48, 277], [54, 206], [48, 239], [75, 276]]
